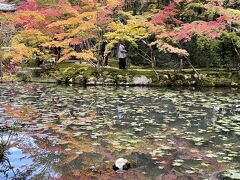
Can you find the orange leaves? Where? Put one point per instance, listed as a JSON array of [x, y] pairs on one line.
[[28, 19], [85, 55], [114, 3], [19, 52], [76, 41], [83, 29], [26, 113], [25, 44], [61, 36], [62, 43], [194, 151], [59, 24], [64, 23], [31, 37]]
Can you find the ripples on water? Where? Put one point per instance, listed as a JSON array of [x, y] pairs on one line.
[[164, 133]]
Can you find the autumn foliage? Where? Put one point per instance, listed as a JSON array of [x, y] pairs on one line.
[[87, 23]]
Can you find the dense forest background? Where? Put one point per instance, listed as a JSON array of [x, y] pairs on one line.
[[162, 33]]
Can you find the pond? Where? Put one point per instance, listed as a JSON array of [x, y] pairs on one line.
[[61, 132]]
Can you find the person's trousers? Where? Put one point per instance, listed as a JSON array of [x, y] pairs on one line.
[[122, 63]]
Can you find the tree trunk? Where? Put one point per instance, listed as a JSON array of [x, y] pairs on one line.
[[238, 55], [1, 69]]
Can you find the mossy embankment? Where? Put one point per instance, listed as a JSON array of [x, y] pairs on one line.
[[85, 75]]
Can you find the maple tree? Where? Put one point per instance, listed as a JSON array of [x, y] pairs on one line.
[[25, 44], [184, 22], [6, 31], [79, 27], [65, 26]]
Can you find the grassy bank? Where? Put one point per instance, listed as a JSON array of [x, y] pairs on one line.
[[86, 75]]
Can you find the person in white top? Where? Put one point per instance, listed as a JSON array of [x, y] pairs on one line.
[[122, 56]]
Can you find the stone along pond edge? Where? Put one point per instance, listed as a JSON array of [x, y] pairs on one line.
[[115, 77]]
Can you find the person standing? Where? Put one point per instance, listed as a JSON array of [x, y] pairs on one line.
[[122, 56]]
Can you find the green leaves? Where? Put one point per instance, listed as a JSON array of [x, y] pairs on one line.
[[132, 32]]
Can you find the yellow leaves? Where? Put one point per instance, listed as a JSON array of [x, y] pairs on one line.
[[19, 52], [115, 26], [69, 11], [167, 48], [156, 29], [113, 3], [89, 15], [25, 44], [131, 32], [64, 43], [85, 55], [79, 26], [132, 25], [83, 23], [110, 46], [75, 21], [34, 16], [61, 36], [5, 54], [231, 15], [235, 15], [126, 15], [194, 151], [31, 37], [87, 26], [64, 23]]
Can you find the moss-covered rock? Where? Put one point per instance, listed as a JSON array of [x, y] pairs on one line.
[[92, 80], [120, 79], [109, 81], [25, 76], [128, 79], [163, 77], [105, 73], [206, 82], [214, 82], [234, 84], [142, 80], [79, 79], [164, 83], [222, 82], [85, 74]]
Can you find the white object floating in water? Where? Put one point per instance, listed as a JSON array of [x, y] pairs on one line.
[[121, 164], [93, 169]]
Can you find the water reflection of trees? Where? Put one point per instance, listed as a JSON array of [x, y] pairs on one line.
[[5, 164], [89, 123], [38, 162]]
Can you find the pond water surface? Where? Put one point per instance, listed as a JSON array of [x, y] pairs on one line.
[[61, 132]]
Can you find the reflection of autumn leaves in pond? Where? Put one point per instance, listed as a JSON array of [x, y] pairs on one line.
[[163, 133], [23, 113]]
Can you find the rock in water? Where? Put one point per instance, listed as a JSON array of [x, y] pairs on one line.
[[121, 164], [141, 80], [93, 169]]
